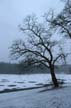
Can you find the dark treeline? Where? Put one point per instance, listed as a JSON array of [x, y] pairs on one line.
[[8, 68], [12, 68]]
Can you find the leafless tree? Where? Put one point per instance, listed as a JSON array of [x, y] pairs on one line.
[[38, 48], [62, 22]]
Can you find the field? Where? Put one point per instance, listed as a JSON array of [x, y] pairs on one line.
[[19, 82], [37, 98], [43, 97]]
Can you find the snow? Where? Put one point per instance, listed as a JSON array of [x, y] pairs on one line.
[[22, 81], [37, 98], [27, 81], [57, 98]]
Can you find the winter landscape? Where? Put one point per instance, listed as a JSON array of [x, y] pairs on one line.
[[35, 53]]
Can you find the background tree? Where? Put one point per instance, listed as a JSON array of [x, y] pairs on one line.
[[38, 47], [62, 22]]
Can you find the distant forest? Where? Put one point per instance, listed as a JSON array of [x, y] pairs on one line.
[[8, 68], [12, 68]]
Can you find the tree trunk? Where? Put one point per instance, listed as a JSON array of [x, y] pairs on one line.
[[54, 79]]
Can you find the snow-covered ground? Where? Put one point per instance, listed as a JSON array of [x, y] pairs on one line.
[[27, 81], [38, 98]]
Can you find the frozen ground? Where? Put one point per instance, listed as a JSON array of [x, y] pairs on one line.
[[38, 98], [8, 82], [22, 81]]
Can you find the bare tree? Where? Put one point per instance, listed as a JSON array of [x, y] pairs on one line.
[[62, 22], [38, 48]]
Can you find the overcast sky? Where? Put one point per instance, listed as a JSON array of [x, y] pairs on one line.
[[12, 13]]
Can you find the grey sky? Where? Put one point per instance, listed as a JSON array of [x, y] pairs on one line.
[[12, 13]]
